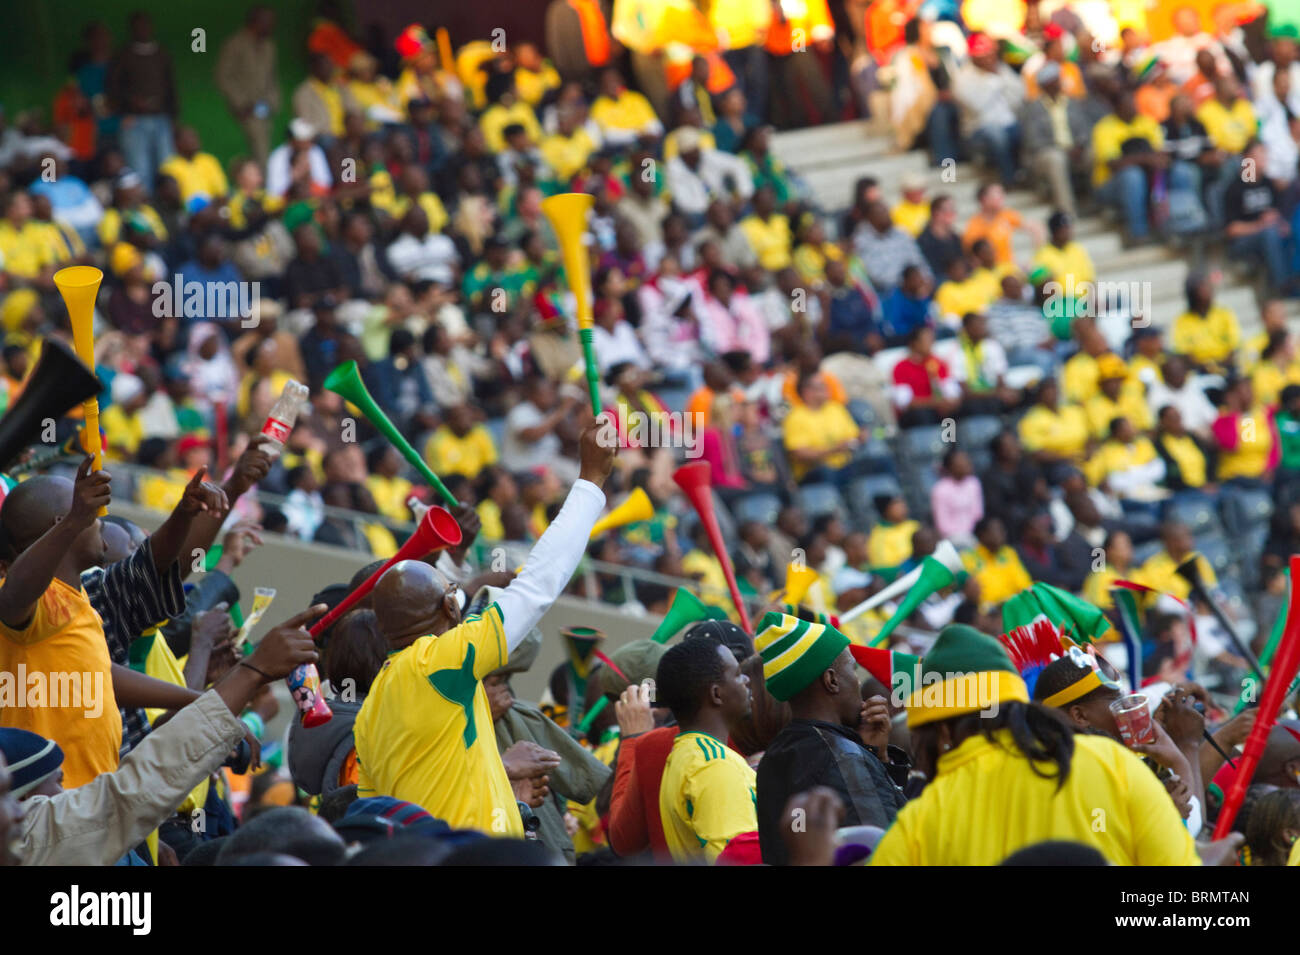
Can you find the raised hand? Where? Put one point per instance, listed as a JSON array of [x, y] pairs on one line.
[[287, 646], [203, 497], [91, 491]]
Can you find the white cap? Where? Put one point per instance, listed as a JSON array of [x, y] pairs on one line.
[[301, 130]]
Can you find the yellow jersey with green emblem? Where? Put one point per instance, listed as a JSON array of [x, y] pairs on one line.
[[424, 733], [706, 797]]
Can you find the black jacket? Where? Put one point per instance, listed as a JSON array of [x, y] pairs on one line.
[[811, 753]]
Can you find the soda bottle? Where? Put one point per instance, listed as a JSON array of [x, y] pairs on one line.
[[279, 423]]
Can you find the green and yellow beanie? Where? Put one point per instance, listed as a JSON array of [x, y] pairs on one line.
[[966, 671], [795, 652]]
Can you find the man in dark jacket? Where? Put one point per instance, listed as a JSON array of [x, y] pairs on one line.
[[834, 739]]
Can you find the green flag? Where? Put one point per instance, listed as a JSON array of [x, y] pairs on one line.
[[1079, 620]]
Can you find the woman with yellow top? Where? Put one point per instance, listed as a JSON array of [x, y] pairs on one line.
[[768, 231], [386, 484], [1052, 432], [819, 434], [1246, 434], [890, 544], [507, 109], [814, 250], [1126, 463], [1206, 333], [994, 564], [1186, 467], [1276, 369]]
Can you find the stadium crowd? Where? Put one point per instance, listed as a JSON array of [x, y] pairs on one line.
[[870, 384]]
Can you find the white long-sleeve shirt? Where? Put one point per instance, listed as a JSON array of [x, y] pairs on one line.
[[550, 563]]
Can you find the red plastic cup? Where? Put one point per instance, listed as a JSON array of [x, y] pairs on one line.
[[1133, 717]]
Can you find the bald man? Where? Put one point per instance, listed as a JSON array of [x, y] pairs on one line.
[[424, 733]]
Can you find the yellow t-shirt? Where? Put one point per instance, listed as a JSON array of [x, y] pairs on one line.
[[496, 118], [390, 495], [67, 695], [706, 799], [567, 155], [1159, 574], [532, 85], [1001, 576], [821, 429], [1206, 340], [1189, 457], [124, 432], [424, 732], [987, 802], [1101, 411], [200, 176], [889, 545], [1063, 433], [1115, 456], [110, 227], [1109, 136], [161, 492], [1071, 264], [1079, 378], [955, 299], [24, 252], [491, 527], [1230, 129], [630, 112], [448, 454], [707, 569], [770, 240], [1269, 380], [388, 201], [911, 217], [1254, 447]]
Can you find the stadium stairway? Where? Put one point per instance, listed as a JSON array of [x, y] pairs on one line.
[[831, 158]]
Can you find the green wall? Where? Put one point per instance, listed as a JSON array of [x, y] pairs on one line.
[[38, 36]]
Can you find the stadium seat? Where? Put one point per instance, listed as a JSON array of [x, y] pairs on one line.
[[1214, 548], [863, 491], [924, 444], [1244, 509], [762, 506], [1194, 510], [978, 431], [819, 499]]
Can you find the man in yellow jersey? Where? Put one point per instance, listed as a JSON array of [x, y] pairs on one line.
[[707, 796], [424, 733]]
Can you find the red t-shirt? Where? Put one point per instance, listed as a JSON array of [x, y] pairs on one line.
[[922, 375]]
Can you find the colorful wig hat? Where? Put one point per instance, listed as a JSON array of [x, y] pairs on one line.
[[795, 652], [1088, 677]]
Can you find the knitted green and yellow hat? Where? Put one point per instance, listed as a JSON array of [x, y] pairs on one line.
[[795, 652], [966, 671]]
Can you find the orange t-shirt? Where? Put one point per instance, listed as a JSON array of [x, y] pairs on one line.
[[64, 689], [998, 230]]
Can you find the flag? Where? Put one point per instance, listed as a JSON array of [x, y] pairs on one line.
[[1130, 631], [1075, 617], [884, 663]]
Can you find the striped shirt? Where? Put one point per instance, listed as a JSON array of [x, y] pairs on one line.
[[131, 597]]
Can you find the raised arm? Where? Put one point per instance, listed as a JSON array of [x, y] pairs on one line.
[[555, 557], [200, 497], [251, 467], [31, 572]]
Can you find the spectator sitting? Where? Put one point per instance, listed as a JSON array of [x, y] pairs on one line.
[[939, 241], [909, 306], [698, 175], [925, 390], [1186, 465], [1055, 137], [890, 543], [1206, 333], [819, 433], [885, 249], [1254, 227], [994, 564], [997, 223], [990, 95], [957, 499], [459, 445], [1118, 394]]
